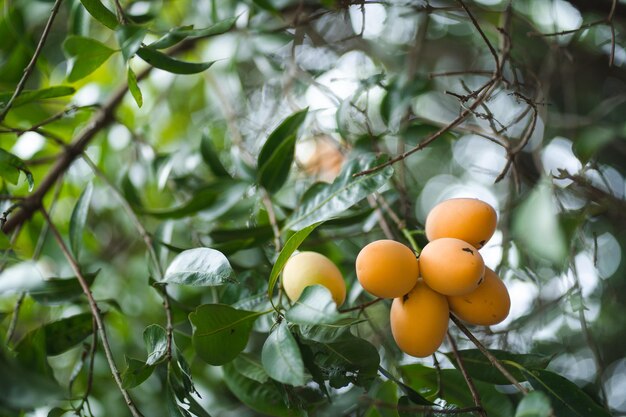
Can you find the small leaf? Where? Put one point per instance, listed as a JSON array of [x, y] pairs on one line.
[[161, 61], [176, 35], [58, 412], [221, 332], [290, 247], [199, 267], [10, 167], [79, 218], [210, 157], [86, 55], [64, 334], [535, 404], [129, 38], [53, 291], [315, 306], [281, 357], [155, 339], [101, 13], [133, 87], [135, 373], [28, 96], [277, 154], [347, 190]]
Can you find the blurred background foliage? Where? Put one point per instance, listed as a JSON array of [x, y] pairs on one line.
[[533, 93]]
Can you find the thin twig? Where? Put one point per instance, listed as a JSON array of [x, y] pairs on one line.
[[468, 379], [267, 202], [482, 34], [360, 306], [95, 311], [31, 65]]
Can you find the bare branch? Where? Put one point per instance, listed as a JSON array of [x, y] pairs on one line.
[[482, 34], [468, 379]]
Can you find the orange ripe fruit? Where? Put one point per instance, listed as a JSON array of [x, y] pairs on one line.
[[419, 320], [487, 305], [468, 219], [387, 269], [451, 266], [312, 268]]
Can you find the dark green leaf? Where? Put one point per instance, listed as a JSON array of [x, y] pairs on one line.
[[133, 87], [161, 61], [10, 167], [383, 393], [290, 247], [266, 5], [100, 13], [135, 373], [329, 332], [28, 96], [59, 290], [281, 357], [58, 412], [210, 157], [250, 367], [479, 367], [199, 267], [347, 190], [410, 393], [79, 218], [155, 339], [263, 398], [258, 234], [176, 35], [535, 404], [591, 140], [315, 306], [24, 389], [568, 400], [221, 332], [173, 409], [277, 154], [129, 38], [63, 334], [86, 55], [213, 201]]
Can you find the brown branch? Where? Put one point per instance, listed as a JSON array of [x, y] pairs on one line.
[[31, 65], [360, 306], [468, 379], [482, 35], [95, 311]]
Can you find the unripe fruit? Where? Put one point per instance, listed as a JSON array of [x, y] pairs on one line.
[[312, 268], [487, 305], [419, 320], [468, 219], [387, 269], [451, 266]]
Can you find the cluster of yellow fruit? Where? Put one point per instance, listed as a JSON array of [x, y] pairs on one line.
[[448, 275]]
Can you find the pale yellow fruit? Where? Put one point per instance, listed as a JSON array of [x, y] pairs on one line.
[[312, 268], [419, 320], [387, 269]]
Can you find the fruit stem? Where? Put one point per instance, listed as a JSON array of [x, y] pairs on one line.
[[407, 234]]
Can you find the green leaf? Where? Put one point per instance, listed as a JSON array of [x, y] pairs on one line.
[[101, 13], [592, 139], [58, 412], [155, 339], [315, 306], [347, 190], [213, 201], [173, 409], [63, 334], [329, 332], [221, 332], [277, 154], [201, 267], [10, 167], [410, 393], [79, 218], [28, 96], [210, 157], [535, 404], [136, 373], [133, 87], [290, 247], [178, 34], [281, 357], [86, 56], [53, 291], [479, 367], [129, 38], [264, 398], [536, 225], [567, 398], [250, 367], [161, 61], [385, 393]]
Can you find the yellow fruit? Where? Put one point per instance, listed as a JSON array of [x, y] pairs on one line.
[[419, 320], [387, 269], [468, 219], [451, 266], [487, 305], [312, 268]]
